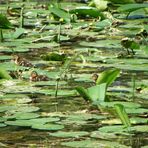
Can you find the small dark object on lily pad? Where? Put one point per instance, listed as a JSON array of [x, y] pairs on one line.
[[36, 77], [95, 77], [21, 61], [142, 33], [128, 43]]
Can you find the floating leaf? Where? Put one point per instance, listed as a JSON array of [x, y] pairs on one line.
[[2, 125], [52, 127], [18, 123], [93, 143], [131, 7], [44, 120], [18, 33], [101, 135], [69, 134], [26, 115], [125, 104], [114, 129], [102, 25], [122, 2]]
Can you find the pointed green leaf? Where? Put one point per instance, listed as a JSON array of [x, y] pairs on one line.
[[98, 92], [83, 92], [4, 22], [59, 12], [122, 114], [108, 76]]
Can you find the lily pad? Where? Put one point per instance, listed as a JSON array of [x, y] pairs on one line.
[[93, 143], [2, 125], [18, 123], [69, 134], [52, 127]]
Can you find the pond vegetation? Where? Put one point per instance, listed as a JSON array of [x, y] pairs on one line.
[[74, 74]]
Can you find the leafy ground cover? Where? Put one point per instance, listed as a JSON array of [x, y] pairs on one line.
[[73, 74]]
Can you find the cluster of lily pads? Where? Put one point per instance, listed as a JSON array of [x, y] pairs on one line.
[[68, 45]]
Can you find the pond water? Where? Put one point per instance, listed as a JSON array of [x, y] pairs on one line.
[[51, 113]]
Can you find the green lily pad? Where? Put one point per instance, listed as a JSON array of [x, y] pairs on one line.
[[44, 120], [85, 116], [101, 135], [136, 111], [93, 143], [2, 125], [2, 119], [52, 127], [114, 129], [69, 134], [140, 128], [133, 120], [7, 107], [125, 104], [18, 123]]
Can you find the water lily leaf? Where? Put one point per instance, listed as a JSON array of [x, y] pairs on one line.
[[2, 119], [114, 129], [136, 110], [70, 121], [125, 104], [52, 127], [4, 108], [18, 33], [2, 125], [131, 7], [108, 76], [26, 115], [18, 123], [85, 116], [4, 22], [48, 83], [4, 74], [122, 115], [140, 128], [107, 44], [122, 2], [102, 24], [133, 120], [101, 135], [5, 57], [69, 134], [27, 109], [84, 11], [93, 143], [59, 12], [44, 120]]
